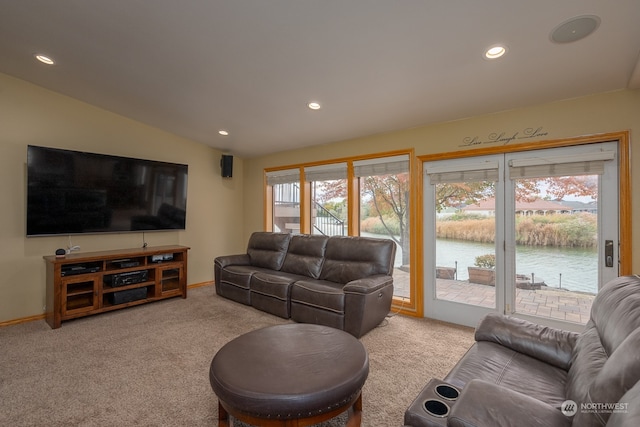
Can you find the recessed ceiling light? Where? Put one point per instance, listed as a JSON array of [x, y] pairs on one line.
[[44, 59], [495, 52], [575, 29], [314, 105], [223, 132]]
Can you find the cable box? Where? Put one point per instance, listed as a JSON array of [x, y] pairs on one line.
[[70, 270], [161, 257], [126, 263]]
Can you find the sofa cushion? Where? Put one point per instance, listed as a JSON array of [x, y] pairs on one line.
[[237, 275], [273, 284], [319, 294], [268, 250], [270, 292], [240, 275], [234, 282], [503, 366], [629, 415], [351, 258], [486, 404], [320, 302], [553, 346], [305, 255], [616, 311]]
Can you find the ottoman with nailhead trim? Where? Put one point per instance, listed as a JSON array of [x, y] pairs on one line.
[[290, 375]]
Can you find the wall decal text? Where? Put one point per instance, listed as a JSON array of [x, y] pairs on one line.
[[504, 137]]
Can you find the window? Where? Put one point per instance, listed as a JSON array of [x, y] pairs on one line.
[[285, 193], [384, 186], [329, 207], [357, 197]]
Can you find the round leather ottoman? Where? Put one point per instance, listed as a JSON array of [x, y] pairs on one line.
[[290, 375]]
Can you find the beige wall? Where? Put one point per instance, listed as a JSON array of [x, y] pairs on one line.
[[215, 223], [602, 113], [32, 115]]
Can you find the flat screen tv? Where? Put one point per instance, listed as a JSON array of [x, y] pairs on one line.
[[73, 192]]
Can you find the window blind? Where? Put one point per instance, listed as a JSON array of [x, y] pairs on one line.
[[540, 167], [286, 176], [381, 166], [328, 172], [487, 171]]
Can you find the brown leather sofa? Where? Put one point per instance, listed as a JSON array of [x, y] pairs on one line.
[[522, 374], [337, 281]]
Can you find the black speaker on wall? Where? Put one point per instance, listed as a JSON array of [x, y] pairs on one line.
[[226, 164]]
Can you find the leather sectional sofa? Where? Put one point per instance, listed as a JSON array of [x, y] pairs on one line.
[[337, 281], [522, 374]]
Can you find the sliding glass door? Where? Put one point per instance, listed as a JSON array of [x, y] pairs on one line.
[[532, 233], [463, 210], [562, 230]]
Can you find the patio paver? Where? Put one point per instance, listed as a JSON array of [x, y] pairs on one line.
[[546, 302]]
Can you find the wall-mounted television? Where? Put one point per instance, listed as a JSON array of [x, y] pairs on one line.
[[73, 192]]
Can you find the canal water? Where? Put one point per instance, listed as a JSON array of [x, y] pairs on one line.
[[574, 269]]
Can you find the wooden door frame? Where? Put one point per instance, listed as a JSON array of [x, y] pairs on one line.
[[624, 179]]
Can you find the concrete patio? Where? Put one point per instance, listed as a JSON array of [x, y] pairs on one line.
[[545, 302]]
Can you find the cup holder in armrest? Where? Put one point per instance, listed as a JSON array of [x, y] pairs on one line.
[[437, 408], [447, 391], [433, 406]]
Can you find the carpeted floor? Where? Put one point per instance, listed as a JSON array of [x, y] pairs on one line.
[[148, 365]]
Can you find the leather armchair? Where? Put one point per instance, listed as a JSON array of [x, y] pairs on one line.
[[520, 374]]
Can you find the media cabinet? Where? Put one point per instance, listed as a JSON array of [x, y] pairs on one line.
[[80, 285]]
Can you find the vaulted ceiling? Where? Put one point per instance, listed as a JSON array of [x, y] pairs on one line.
[[250, 67]]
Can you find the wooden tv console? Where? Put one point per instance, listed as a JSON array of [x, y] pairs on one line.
[[83, 284]]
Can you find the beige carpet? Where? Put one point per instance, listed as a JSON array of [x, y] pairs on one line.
[[148, 365]]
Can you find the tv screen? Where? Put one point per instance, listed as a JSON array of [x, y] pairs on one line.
[[73, 192]]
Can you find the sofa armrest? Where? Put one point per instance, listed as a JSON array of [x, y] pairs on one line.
[[482, 403], [225, 260], [367, 302], [550, 345], [368, 285]]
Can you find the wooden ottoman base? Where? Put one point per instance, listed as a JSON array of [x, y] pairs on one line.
[[354, 420]]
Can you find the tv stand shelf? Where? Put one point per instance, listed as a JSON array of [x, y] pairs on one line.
[[80, 285]]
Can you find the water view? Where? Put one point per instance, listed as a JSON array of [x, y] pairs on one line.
[[574, 269]]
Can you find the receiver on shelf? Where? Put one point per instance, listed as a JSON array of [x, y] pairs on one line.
[[127, 278]]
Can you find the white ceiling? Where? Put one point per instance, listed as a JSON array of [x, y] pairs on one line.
[[193, 67]]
